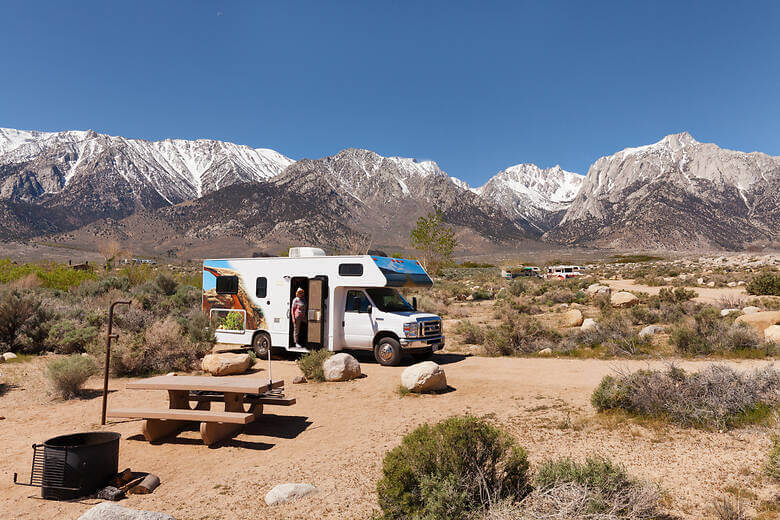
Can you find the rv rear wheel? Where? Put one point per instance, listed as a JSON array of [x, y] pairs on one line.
[[387, 352], [261, 344]]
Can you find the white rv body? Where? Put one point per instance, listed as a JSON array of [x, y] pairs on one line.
[[352, 302]]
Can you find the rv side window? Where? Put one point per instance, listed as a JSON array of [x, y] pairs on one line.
[[350, 269], [261, 287], [227, 284], [356, 301]]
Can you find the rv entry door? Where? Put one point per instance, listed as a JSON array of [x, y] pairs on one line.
[[317, 293]]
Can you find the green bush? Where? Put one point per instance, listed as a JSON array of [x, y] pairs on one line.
[[773, 463], [24, 323], [709, 333], [676, 295], [615, 333], [451, 470], [470, 333], [68, 374], [311, 364], [51, 275], [519, 335], [166, 284], [69, 336], [517, 287], [766, 284]]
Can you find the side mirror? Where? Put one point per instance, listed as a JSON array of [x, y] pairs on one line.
[[369, 308], [414, 302]]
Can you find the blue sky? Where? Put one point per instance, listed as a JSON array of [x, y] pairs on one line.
[[475, 86]]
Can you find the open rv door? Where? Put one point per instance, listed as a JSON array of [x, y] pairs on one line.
[[318, 291]]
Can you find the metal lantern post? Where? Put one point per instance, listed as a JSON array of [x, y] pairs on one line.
[[109, 337]]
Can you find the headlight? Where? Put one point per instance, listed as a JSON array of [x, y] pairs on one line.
[[410, 329]]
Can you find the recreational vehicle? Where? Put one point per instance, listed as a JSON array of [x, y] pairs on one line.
[[564, 271], [353, 303]]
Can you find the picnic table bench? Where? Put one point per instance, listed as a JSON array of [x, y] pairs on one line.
[[215, 425]]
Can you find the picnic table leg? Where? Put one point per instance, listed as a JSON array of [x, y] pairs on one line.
[[212, 432], [155, 429]]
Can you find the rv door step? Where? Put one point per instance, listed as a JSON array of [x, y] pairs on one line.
[[298, 349]]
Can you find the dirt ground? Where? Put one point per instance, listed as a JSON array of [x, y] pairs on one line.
[[337, 434]]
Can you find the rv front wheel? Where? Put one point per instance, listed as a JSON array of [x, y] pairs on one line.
[[261, 344], [388, 352]]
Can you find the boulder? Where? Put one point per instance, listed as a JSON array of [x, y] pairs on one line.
[[571, 318], [700, 281], [750, 310], [341, 367], [595, 289], [225, 363], [298, 380], [726, 312], [731, 284], [623, 299], [650, 330], [545, 352], [760, 320], [288, 492], [710, 284], [8, 356], [588, 323], [424, 377], [111, 511], [741, 282], [772, 333]]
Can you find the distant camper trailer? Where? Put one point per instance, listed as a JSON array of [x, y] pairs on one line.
[[522, 271], [352, 303], [564, 271]]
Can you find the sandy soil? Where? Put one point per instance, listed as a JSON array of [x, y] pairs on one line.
[[337, 434], [705, 294]]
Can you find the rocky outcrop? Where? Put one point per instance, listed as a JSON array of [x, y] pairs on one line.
[[760, 320], [341, 367], [225, 363], [282, 493], [424, 377]]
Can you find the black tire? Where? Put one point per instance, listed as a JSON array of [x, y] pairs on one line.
[[261, 344], [387, 352]]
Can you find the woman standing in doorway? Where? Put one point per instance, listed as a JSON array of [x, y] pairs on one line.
[[298, 312]]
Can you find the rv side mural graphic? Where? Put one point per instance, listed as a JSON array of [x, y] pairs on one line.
[[241, 301]]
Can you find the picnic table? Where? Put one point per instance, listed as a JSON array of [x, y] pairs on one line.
[[215, 425]]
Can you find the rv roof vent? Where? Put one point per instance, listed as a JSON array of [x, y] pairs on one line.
[[300, 252]]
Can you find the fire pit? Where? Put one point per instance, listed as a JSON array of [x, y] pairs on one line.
[[73, 466]]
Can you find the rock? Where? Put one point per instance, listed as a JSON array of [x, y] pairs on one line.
[[588, 323], [572, 318], [225, 363], [470, 298], [741, 282], [760, 320], [8, 356], [564, 306], [171, 374], [545, 352], [111, 511], [650, 330], [624, 299], [595, 289], [424, 377], [297, 380], [726, 312], [288, 492], [710, 284], [750, 310], [772, 333], [341, 367], [731, 284], [700, 281]]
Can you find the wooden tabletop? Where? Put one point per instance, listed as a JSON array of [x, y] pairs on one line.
[[242, 385]]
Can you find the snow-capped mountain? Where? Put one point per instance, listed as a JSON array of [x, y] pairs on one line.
[[677, 193], [48, 163], [538, 196]]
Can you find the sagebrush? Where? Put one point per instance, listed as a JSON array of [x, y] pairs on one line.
[[68, 374], [311, 364]]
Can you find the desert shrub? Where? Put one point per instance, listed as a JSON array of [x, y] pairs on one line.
[[24, 322], [717, 397], [676, 295], [709, 333], [615, 333], [482, 294], [470, 332], [163, 347], [641, 315], [450, 470], [186, 297], [311, 364], [767, 283], [517, 287], [51, 275], [138, 274], [726, 509], [197, 328], [519, 335], [436, 306], [773, 462], [68, 374], [166, 284], [69, 336], [133, 319], [147, 296]]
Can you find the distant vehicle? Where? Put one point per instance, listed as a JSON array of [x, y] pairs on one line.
[[517, 272], [353, 303], [564, 271]]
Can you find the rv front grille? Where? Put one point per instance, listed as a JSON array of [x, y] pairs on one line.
[[430, 328]]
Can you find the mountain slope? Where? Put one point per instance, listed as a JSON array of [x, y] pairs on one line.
[[675, 194], [538, 196]]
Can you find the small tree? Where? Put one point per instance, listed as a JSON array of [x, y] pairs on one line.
[[109, 250], [435, 241]]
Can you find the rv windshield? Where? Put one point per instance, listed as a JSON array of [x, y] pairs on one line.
[[389, 300]]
